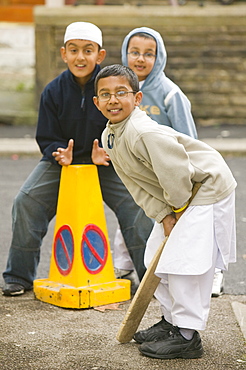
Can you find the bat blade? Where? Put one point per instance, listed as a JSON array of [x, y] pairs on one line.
[[140, 300]]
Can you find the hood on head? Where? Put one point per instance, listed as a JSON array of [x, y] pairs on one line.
[[161, 55]]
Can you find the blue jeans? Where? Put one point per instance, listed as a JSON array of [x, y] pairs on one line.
[[35, 206]]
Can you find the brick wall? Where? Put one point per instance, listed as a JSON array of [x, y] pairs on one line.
[[205, 47]]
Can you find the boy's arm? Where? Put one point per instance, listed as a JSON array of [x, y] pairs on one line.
[[170, 221], [172, 175], [98, 154], [171, 166], [64, 156], [168, 224], [48, 135], [152, 207], [178, 109]]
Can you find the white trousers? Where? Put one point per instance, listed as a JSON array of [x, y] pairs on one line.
[[121, 256], [203, 238]]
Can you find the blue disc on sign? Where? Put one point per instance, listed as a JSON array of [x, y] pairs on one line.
[[94, 249], [64, 249]]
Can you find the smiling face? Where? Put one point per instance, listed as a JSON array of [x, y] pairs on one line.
[[141, 66], [81, 57], [115, 109]]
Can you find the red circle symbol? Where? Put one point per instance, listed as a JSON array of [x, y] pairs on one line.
[[64, 249], [94, 249]]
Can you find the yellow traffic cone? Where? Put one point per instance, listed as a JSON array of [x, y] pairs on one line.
[[81, 269]]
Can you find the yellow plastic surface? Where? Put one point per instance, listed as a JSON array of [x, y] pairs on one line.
[[81, 269]]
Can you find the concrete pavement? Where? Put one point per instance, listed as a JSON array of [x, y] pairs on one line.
[[37, 335], [29, 146], [226, 139]]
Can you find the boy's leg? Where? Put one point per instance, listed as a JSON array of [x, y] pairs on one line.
[[123, 265], [122, 259], [185, 302], [33, 208], [191, 296], [185, 299], [135, 225], [218, 283], [165, 292]]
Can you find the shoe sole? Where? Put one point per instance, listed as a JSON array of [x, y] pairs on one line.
[[137, 341], [12, 294], [192, 354], [215, 295]]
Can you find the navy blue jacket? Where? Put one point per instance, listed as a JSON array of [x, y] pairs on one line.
[[66, 112]]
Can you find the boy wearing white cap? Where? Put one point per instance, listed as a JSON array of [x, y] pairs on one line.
[[68, 119]]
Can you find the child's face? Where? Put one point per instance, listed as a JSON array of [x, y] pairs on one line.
[[142, 65], [116, 109], [81, 57]]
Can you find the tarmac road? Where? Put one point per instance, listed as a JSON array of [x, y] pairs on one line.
[[15, 171], [40, 336]]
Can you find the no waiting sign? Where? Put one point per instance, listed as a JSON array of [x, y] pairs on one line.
[[94, 249], [64, 249]]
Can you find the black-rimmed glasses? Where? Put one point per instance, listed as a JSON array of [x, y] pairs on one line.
[[136, 55], [119, 95]]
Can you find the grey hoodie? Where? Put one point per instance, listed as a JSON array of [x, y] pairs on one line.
[[162, 100]]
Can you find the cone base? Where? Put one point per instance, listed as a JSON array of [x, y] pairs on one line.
[[67, 296]]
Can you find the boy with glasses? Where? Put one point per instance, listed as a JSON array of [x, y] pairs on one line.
[[160, 166]]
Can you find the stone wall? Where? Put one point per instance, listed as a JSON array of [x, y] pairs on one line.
[[17, 74], [205, 47]]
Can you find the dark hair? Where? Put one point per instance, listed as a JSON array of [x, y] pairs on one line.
[[145, 35], [118, 70]]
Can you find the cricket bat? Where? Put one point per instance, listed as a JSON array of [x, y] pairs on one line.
[[141, 300], [144, 293]]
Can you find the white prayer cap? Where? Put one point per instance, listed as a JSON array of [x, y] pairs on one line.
[[83, 31]]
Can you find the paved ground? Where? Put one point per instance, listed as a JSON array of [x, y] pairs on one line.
[[36, 335], [227, 139]]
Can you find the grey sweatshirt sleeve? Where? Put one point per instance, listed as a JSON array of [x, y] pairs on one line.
[[178, 110]]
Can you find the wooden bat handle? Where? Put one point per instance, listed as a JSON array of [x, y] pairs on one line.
[[195, 189]]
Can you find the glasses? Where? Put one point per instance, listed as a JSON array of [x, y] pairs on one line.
[[119, 95], [136, 55]]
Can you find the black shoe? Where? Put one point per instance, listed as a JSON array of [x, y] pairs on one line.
[[175, 346], [13, 289], [156, 332]]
